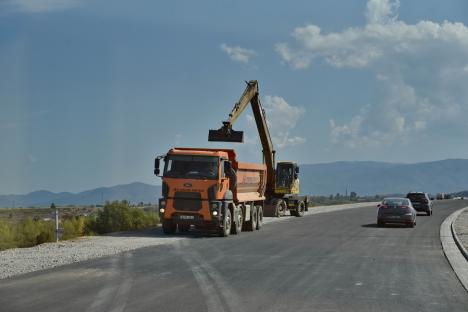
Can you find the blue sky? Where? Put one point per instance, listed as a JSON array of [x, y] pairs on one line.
[[91, 91]]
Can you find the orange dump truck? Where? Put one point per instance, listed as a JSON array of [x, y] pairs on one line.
[[210, 189]]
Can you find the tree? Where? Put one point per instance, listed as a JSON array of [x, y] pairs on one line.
[[52, 206]]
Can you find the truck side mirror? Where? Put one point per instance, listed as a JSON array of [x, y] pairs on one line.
[[297, 170], [156, 166]]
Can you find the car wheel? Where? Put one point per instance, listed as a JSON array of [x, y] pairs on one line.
[[429, 213]]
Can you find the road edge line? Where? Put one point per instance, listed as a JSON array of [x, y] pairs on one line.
[[453, 253]]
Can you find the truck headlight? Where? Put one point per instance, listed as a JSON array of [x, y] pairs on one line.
[[161, 210], [215, 213]]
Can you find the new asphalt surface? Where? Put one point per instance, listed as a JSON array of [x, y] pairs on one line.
[[338, 261]]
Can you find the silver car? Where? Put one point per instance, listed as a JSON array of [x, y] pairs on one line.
[[396, 210]]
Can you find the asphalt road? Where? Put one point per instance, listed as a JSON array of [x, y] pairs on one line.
[[336, 261]]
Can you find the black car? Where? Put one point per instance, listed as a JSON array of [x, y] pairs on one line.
[[421, 202], [396, 210]]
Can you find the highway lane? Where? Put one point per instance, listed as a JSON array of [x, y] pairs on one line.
[[336, 261]]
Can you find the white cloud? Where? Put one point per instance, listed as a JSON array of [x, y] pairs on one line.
[[420, 70], [282, 118], [40, 6], [237, 53], [381, 12]]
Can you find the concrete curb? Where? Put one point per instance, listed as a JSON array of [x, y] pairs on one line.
[[457, 239], [453, 253]]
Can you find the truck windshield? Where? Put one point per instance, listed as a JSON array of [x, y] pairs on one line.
[[193, 167]]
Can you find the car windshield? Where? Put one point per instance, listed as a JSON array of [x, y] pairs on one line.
[[193, 167], [416, 197], [396, 202]]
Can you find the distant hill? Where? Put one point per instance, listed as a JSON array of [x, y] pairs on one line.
[[362, 177], [369, 178], [134, 192]]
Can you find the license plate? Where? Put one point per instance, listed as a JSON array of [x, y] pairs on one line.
[[186, 217]]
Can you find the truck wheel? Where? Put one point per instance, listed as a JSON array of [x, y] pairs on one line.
[[251, 225], [236, 227], [169, 227], [300, 209], [259, 217], [281, 208], [275, 208], [226, 229]]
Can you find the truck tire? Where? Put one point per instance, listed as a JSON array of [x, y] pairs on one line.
[[169, 227], [251, 225], [280, 208], [227, 222], [300, 208], [236, 227], [273, 209], [259, 217]]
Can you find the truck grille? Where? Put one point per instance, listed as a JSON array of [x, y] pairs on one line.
[[187, 201]]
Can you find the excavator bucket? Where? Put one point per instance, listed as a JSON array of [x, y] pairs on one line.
[[226, 134]]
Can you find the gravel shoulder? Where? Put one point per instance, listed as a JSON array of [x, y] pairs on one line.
[[25, 260]]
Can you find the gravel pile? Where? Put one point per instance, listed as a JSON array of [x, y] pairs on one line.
[[24, 260]]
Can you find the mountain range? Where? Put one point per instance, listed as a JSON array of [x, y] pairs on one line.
[[362, 177], [133, 192], [370, 178]]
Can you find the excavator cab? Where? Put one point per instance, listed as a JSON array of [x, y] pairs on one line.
[[287, 178]]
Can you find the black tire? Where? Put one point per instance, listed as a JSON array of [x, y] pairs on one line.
[[183, 228], [300, 209], [380, 224], [429, 213], [259, 217], [169, 227], [236, 227], [279, 207], [412, 225], [251, 225], [227, 223]]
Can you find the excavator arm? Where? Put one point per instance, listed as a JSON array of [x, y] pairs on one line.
[[227, 134]]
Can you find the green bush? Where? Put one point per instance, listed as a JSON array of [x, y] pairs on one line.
[[115, 216], [8, 235], [27, 233], [119, 216]]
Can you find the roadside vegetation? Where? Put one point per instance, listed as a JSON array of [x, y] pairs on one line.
[[113, 217]]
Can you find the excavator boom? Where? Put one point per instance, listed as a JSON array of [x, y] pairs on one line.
[[227, 134]]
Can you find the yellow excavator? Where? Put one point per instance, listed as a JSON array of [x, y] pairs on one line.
[[282, 188]]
